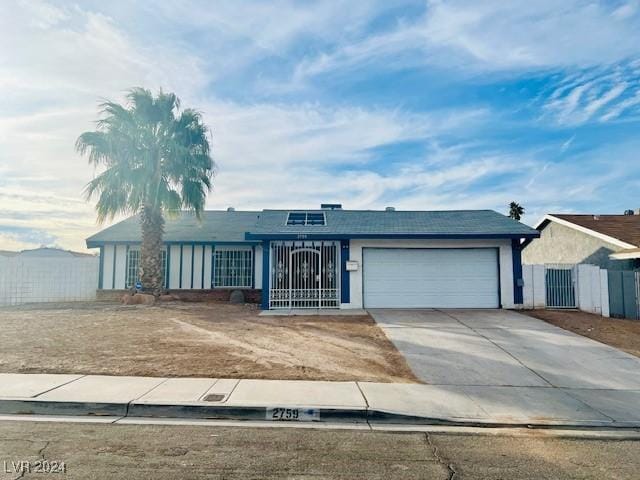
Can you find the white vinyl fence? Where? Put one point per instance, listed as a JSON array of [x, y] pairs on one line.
[[26, 279], [584, 287]]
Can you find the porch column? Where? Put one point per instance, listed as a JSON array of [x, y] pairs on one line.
[[344, 275], [516, 255]]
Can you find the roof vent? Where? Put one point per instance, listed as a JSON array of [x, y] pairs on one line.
[[330, 206], [231, 209], [390, 209]]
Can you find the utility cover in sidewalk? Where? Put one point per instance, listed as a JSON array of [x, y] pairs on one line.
[[214, 397]]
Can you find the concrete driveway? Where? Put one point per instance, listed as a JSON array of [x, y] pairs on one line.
[[504, 348]]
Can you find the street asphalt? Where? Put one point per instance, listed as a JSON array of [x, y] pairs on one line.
[[105, 451]]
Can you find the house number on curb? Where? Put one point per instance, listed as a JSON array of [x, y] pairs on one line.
[[293, 414]]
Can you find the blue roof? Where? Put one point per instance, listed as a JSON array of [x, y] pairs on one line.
[[372, 223], [214, 226], [239, 226]]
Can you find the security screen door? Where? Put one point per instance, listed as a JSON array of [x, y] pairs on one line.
[[304, 275]]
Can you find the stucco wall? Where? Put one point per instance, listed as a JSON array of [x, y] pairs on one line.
[[505, 258], [560, 244]]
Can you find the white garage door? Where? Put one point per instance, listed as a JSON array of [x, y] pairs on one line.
[[430, 278]]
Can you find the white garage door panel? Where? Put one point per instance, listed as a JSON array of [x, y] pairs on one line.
[[430, 278]]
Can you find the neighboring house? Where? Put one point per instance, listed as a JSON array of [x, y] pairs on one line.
[[50, 252], [609, 241], [332, 258]]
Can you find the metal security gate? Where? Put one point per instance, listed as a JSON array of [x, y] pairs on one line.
[[304, 275], [560, 281]]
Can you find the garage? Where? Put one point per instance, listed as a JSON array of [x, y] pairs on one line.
[[430, 278]]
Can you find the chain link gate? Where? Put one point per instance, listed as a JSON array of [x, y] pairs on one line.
[[560, 282]]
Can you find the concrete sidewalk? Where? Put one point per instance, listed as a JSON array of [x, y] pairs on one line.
[[355, 402]]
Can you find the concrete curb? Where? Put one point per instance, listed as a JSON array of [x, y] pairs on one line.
[[382, 417], [259, 413], [236, 412], [47, 407]]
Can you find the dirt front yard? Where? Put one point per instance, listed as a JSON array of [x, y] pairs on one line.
[[215, 340], [619, 333]]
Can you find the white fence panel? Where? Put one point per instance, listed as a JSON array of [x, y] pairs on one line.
[[588, 289], [48, 279], [604, 293], [591, 288], [534, 289]]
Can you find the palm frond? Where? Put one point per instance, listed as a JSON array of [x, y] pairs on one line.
[[153, 154]]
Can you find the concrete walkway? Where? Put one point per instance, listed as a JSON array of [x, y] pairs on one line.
[[354, 402]]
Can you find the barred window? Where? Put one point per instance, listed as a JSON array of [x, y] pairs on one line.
[[133, 268], [232, 267]]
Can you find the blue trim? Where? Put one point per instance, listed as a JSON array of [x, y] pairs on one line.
[[96, 244], [499, 278], [266, 251], [202, 273], [516, 255], [180, 282], [253, 266], [113, 273], [101, 268], [167, 280], [345, 294], [256, 238], [397, 236], [193, 253]]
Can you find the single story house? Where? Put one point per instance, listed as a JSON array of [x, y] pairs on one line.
[[331, 257], [608, 241]]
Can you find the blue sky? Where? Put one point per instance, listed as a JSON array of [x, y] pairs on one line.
[[419, 105]]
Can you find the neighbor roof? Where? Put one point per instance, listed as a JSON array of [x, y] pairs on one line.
[[215, 226], [376, 223], [623, 228]]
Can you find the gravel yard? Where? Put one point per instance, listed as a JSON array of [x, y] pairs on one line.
[[617, 332], [195, 340]]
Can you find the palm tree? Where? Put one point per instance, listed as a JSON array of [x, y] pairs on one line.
[[158, 162], [516, 211]]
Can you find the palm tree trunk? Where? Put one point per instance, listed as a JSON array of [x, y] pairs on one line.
[[151, 250]]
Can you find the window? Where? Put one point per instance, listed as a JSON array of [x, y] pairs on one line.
[[133, 268], [232, 267], [306, 218]]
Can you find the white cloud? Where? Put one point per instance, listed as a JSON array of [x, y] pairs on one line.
[[57, 61], [493, 35], [599, 94], [69, 58], [543, 33]]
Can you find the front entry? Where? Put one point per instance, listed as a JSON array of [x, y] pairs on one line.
[[304, 275]]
